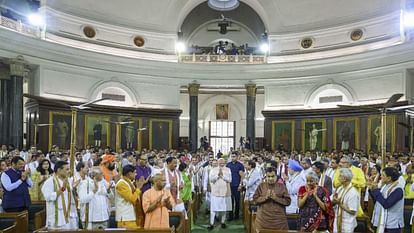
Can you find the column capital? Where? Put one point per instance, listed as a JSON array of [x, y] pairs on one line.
[[251, 89], [193, 89], [18, 67]]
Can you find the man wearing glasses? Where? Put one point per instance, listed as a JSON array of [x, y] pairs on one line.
[[143, 170]]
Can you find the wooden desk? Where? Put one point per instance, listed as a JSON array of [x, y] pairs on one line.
[[21, 218]]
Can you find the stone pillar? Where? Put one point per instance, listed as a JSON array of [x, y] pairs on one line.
[[251, 113], [17, 73], [4, 110], [193, 127]]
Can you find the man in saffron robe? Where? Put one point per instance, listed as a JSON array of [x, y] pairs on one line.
[[157, 202]]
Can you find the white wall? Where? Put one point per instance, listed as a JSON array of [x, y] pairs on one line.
[[362, 88], [207, 112]]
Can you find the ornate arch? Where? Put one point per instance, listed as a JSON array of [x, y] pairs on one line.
[[132, 99], [314, 93]]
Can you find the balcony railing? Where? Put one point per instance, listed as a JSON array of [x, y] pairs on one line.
[[223, 58], [18, 26]]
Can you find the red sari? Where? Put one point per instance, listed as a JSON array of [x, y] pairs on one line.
[[311, 216]]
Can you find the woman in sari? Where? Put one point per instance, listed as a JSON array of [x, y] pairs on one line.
[[315, 208], [42, 173]]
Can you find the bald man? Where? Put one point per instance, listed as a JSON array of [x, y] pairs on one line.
[[157, 202]]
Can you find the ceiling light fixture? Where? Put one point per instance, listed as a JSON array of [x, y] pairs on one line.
[[223, 5]]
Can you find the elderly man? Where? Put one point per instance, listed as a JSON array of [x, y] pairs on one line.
[[358, 178], [94, 202], [346, 202], [220, 179], [272, 199], [293, 183], [157, 202], [60, 203]]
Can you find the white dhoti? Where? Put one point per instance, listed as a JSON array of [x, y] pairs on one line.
[[220, 203], [71, 225]]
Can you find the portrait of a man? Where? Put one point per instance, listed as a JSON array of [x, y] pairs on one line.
[[283, 135], [222, 111], [130, 133], [60, 130], [346, 135], [375, 133], [97, 131], [313, 134]]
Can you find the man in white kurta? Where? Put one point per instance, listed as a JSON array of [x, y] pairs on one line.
[[220, 178], [346, 201], [252, 180], [94, 201], [293, 183], [206, 180], [61, 211]]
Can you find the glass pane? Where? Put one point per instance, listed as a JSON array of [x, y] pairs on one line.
[[219, 129], [213, 130], [231, 128]]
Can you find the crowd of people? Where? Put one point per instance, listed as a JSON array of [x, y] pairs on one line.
[[223, 47], [324, 189]]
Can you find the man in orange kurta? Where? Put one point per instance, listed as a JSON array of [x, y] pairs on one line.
[[157, 203]]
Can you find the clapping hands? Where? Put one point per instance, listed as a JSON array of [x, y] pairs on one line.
[[140, 182]]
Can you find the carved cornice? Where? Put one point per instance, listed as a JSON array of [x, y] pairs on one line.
[[18, 67], [251, 90], [193, 89]]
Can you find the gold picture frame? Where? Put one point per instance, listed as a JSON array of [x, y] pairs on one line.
[[105, 128], [280, 134], [59, 129], [151, 128], [307, 127], [125, 131], [374, 124], [222, 111], [348, 127]]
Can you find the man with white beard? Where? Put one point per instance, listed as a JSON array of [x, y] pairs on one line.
[[220, 178]]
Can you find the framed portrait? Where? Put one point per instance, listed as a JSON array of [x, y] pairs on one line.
[[374, 133], [222, 111], [313, 134], [160, 134], [346, 133], [60, 129], [97, 130], [130, 136], [283, 135]]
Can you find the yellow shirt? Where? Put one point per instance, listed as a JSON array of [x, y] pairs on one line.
[[408, 194], [358, 178]]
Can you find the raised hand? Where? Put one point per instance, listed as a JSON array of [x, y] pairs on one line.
[[140, 182], [24, 176]]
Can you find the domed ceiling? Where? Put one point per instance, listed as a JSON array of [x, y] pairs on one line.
[[279, 16]]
